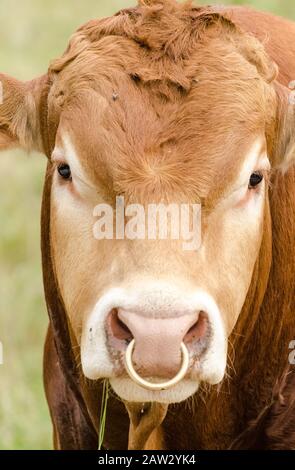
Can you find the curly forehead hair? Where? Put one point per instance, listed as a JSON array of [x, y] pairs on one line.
[[177, 69], [167, 33]]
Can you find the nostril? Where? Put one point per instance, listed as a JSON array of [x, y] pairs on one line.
[[118, 327], [198, 331]]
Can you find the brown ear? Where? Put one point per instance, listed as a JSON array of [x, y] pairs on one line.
[[20, 113], [285, 142]]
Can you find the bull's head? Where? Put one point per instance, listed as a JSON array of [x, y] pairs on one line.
[[199, 121]]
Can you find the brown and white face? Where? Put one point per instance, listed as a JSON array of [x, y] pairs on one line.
[[154, 291], [120, 135], [121, 140]]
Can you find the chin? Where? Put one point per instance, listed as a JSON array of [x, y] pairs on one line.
[[129, 391]]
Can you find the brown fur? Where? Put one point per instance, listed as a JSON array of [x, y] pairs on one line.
[[156, 53], [155, 58]]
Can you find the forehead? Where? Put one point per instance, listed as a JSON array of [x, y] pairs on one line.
[[133, 128]]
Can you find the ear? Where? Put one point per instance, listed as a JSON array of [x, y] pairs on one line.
[[20, 113], [285, 141]]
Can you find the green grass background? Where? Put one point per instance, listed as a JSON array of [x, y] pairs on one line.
[[33, 32]]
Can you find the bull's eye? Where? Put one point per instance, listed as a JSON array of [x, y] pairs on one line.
[[65, 171], [255, 179]]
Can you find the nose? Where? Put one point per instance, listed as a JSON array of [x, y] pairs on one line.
[[158, 341]]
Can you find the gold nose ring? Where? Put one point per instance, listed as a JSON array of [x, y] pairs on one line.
[[156, 386]]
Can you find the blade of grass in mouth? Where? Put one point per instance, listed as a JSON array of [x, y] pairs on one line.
[[103, 413]]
